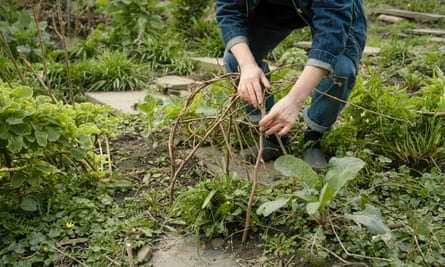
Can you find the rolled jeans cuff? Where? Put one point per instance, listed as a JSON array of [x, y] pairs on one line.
[[313, 125]]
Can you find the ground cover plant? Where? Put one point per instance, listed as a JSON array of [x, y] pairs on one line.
[[83, 186]]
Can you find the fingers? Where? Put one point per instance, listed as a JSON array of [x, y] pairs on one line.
[[251, 93], [251, 89], [274, 123]]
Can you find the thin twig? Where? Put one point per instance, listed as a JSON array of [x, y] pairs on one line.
[[11, 56], [363, 108], [175, 172], [74, 241], [107, 146], [129, 253], [69, 256], [15, 169], [42, 51], [353, 254], [431, 113], [61, 35], [259, 159], [23, 57]]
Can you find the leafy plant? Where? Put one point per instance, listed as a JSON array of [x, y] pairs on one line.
[[164, 52], [133, 20], [41, 140], [22, 34], [317, 192], [214, 206], [109, 71]]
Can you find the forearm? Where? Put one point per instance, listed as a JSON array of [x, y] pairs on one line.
[[308, 80], [243, 55]]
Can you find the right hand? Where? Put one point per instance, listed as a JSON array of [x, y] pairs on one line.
[[252, 84]]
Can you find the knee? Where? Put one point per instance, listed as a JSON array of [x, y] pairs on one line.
[[345, 72], [344, 67]]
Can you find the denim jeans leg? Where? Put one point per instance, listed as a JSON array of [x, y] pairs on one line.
[[323, 111]]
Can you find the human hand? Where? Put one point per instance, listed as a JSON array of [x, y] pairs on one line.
[[281, 117], [251, 84]]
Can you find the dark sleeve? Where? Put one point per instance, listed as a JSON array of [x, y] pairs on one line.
[[331, 25], [232, 21]]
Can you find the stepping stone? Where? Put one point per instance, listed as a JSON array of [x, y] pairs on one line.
[[125, 102], [390, 19], [369, 51], [209, 64], [426, 31], [418, 16], [176, 85]]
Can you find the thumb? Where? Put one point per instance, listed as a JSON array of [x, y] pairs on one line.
[[267, 120]]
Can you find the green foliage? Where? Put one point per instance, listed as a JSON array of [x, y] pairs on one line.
[[215, 206], [92, 46], [41, 140], [164, 52], [77, 209], [408, 136], [316, 192], [21, 34], [109, 71], [186, 13], [48, 171], [133, 20]]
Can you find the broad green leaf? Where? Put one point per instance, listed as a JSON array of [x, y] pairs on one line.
[[28, 204], [85, 140], [33, 180], [41, 138], [371, 218], [269, 207], [292, 166], [306, 195], [206, 110], [16, 117], [21, 129], [15, 143], [53, 133], [36, 238], [4, 133], [88, 129], [312, 207], [156, 22], [17, 179], [22, 91], [149, 104], [77, 154], [341, 170]]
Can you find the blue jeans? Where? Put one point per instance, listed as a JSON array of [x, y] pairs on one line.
[[323, 111]]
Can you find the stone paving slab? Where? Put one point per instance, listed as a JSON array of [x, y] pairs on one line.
[[121, 101], [174, 82], [417, 16], [179, 251]]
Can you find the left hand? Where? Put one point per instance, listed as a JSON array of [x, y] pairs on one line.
[[281, 117]]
